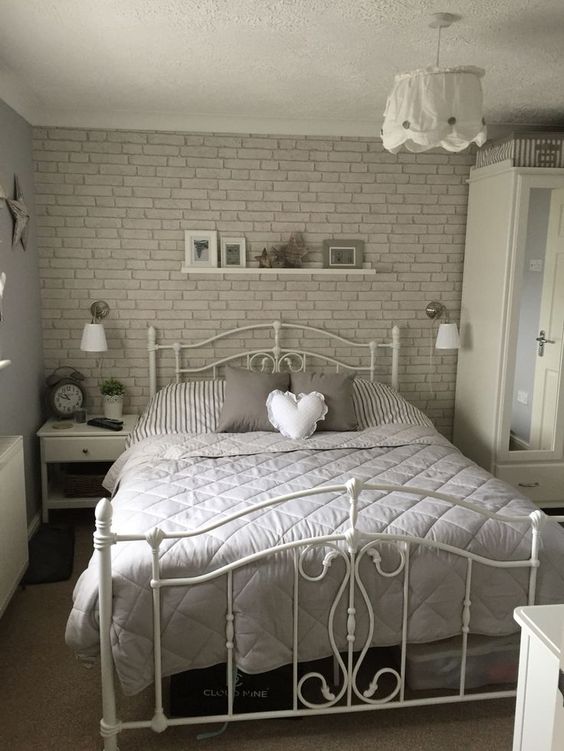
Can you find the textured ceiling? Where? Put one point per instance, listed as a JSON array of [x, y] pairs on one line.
[[286, 66]]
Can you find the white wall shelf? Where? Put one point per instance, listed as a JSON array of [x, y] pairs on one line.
[[254, 271], [4, 364]]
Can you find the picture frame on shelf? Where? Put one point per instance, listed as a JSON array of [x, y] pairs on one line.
[[343, 254], [200, 249], [233, 252]]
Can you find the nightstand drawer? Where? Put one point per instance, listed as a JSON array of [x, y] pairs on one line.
[[83, 449]]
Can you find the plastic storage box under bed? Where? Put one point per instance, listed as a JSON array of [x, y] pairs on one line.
[[489, 660]]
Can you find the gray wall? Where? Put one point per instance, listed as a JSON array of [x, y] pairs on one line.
[[20, 331]]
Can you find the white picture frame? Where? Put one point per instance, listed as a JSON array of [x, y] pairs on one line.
[[200, 249], [233, 252]]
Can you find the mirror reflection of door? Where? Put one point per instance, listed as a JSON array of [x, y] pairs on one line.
[[547, 367], [539, 356]]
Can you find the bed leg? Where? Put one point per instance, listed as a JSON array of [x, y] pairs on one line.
[[110, 741], [103, 541]]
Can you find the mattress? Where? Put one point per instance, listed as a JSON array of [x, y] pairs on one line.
[[184, 482]]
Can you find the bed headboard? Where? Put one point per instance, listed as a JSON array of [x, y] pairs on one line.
[[275, 358]]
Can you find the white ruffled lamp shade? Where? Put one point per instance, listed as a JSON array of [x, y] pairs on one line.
[[93, 338], [447, 336], [434, 107]]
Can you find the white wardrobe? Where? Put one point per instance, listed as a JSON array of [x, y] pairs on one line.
[[509, 410]]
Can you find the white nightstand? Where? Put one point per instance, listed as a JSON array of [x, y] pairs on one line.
[[79, 443]]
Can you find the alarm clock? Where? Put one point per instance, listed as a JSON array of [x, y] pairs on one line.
[[65, 392]]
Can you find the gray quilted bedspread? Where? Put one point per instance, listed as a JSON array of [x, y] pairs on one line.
[[184, 482]]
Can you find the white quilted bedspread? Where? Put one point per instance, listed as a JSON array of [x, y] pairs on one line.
[[184, 482]]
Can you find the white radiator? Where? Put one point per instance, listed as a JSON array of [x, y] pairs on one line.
[[13, 524]]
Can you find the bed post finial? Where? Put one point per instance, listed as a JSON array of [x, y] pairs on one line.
[[152, 349], [372, 346], [538, 519], [177, 348], [395, 356], [276, 325], [103, 541], [103, 514]]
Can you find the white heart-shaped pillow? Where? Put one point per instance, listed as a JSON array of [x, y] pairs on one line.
[[295, 416]]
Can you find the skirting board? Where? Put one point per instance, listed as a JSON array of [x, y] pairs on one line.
[[33, 525], [11, 591]]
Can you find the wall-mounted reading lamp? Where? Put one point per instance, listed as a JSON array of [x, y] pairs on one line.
[[447, 335], [93, 335]]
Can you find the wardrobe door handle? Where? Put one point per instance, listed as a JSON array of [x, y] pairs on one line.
[[528, 484], [84, 451]]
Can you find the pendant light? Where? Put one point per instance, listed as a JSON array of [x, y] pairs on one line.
[[435, 106]]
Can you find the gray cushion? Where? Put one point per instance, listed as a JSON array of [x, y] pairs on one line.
[[338, 392], [244, 408]]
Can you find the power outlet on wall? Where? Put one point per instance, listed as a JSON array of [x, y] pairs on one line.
[[523, 397], [535, 264]]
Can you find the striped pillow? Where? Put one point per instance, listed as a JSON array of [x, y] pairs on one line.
[[195, 406], [380, 404], [191, 407]]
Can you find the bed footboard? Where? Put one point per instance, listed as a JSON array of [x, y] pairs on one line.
[[343, 691]]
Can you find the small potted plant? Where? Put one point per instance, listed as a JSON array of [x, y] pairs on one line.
[[113, 391]]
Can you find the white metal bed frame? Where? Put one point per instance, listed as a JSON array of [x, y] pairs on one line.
[[275, 358], [341, 693]]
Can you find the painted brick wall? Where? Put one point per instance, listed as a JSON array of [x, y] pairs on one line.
[[112, 207]]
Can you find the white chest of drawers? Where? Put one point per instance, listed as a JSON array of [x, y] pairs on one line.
[[539, 711], [13, 522]]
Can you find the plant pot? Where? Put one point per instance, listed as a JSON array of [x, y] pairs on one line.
[[113, 407]]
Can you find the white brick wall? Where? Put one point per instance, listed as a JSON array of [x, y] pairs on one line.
[[112, 207]]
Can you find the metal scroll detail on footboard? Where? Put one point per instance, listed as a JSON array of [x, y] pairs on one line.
[[351, 547]]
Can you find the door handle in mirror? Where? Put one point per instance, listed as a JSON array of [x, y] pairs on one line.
[[542, 340]]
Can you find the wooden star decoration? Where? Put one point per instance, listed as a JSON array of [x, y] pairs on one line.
[[264, 260], [291, 254], [21, 215]]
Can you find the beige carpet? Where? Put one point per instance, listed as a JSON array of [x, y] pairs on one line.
[[48, 702]]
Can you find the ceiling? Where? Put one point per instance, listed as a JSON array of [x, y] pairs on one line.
[[268, 66]]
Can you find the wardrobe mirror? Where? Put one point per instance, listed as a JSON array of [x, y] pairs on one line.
[[536, 398]]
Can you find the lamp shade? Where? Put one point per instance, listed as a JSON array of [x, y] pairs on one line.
[[447, 336], [433, 107], [93, 338]]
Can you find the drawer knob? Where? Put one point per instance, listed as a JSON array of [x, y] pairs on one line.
[[84, 451], [528, 484]]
